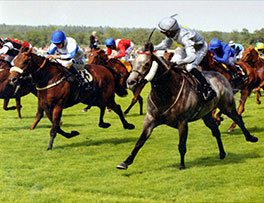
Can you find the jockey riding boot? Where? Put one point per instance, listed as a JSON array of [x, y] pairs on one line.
[[84, 85], [207, 91]]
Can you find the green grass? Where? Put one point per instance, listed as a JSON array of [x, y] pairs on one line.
[[82, 169]]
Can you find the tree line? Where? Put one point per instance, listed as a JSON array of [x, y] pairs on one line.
[[39, 36]]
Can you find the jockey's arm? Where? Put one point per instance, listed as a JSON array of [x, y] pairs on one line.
[[224, 59], [7, 46], [122, 50], [165, 44]]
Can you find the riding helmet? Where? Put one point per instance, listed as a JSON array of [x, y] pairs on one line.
[[109, 42], [57, 37], [168, 24], [215, 43]]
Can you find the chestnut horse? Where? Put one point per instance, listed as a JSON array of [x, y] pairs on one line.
[[120, 72], [59, 89], [250, 56], [7, 91], [174, 102]]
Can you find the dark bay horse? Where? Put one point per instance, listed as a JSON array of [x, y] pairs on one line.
[[251, 57], [121, 74], [8, 91], [174, 102], [59, 89]]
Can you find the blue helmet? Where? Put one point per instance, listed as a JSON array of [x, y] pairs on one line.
[[215, 43], [57, 37], [109, 42]]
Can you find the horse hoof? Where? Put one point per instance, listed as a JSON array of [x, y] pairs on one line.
[[222, 155], [129, 126], [182, 167], [230, 130], [252, 139], [74, 133], [104, 125], [122, 165]]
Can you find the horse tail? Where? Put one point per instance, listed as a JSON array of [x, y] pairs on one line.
[[120, 89]]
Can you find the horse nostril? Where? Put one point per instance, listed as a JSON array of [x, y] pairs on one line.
[[12, 81]]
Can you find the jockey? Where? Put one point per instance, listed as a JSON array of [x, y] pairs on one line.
[[238, 48], [124, 47], [10, 47], [67, 52], [192, 50], [223, 53], [260, 49]]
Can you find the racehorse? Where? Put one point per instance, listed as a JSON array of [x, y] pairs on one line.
[[120, 72], [174, 102], [208, 63], [251, 57], [7, 91], [59, 89]]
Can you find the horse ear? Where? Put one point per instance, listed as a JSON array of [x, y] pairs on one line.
[[29, 51]]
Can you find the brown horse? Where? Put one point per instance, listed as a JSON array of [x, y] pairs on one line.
[[251, 57], [59, 89], [7, 91], [121, 74], [174, 102]]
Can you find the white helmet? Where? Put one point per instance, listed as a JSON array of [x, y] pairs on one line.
[[168, 24], [232, 43]]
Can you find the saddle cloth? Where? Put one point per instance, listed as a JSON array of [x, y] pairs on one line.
[[86, 75], [127, 65]]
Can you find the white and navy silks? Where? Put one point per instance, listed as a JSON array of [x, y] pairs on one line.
[[70, 54], [193, 47]]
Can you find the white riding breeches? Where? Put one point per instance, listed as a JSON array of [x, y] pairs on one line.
[[128, 52], [77, 63]]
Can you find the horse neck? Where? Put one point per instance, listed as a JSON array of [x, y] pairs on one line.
[[49, 71]]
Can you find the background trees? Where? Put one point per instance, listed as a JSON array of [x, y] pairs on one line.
[[39, 36]]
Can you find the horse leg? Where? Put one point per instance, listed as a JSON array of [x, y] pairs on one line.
[[117, 109], [241, 108], [136, 98], [183, 133], [149, 124], [18, 107], [257, 96], [39, 115], [55, 117], [231, 112], [5, 105], [140, 101], [209, 122], [102, 124]]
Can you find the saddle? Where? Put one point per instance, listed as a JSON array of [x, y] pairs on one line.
[[196, 86], [127, 65]]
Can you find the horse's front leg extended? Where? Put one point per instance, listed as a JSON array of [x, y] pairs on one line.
[[5, 105], [39, 115], [149, 124], [183, 133]]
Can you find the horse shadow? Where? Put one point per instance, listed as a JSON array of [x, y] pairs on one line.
[[89, 142], [213, 160]]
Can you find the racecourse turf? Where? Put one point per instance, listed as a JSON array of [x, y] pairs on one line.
[[82, 169]]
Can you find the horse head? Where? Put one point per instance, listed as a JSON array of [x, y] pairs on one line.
[[141, 66], [250, 56], [21, 64], [97, 57]]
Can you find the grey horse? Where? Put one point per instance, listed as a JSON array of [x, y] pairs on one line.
[[174, 102]]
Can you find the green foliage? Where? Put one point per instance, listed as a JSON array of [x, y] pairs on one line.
[[82, 169], [40, 35]]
